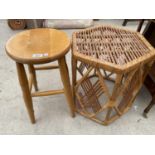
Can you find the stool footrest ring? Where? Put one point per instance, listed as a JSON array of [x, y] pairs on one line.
[[47, 67], [47, 93]]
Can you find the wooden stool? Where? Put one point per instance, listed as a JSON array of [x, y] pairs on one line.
[[105, 54], [40, 46]]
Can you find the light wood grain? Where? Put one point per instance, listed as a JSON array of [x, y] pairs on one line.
[[26, 46], [66, 82], [25, 89]]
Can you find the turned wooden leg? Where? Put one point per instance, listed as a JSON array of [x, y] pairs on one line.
[[33, 73], [66, 82], [74, 63], [25, 89]]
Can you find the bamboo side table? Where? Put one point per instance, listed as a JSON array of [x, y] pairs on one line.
[[40, 46], [109, 65]]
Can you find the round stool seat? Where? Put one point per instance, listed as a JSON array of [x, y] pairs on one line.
[[38, 46]]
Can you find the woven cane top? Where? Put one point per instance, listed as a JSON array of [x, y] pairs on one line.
[[112, 47]]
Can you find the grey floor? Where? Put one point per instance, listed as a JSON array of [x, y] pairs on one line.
[[52, 113]]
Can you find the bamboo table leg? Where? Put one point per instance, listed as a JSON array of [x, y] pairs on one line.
[[33, 72], [25, 89], [74, 63], [66, 82]]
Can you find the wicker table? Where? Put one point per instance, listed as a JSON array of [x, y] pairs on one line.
[[109, 65], [40, 46]]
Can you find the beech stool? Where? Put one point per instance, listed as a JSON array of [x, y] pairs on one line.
[[109, 65], [40, 46]]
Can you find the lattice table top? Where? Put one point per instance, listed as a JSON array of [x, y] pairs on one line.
[[112, 47]]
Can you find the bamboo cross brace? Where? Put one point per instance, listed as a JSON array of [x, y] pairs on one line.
[[83, 78], [102, 82]]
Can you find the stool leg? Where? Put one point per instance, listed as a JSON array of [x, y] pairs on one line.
[[25, 89], [66, 82], [33, 72]]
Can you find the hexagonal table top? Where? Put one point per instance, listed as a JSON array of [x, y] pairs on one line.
[[113, 47]]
